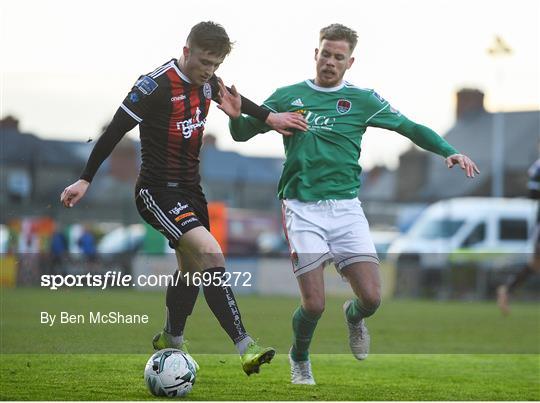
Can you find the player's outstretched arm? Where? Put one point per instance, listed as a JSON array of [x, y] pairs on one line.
[[73, 193], [464, 163], [233, 104], [119, 126], [426, 138]]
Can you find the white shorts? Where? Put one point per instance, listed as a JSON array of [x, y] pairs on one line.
[[327, 230]]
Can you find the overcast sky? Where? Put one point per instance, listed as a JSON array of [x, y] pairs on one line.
[[67, 65]]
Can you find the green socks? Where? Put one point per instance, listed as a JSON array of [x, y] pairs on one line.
[[356, 311], [304, 324]]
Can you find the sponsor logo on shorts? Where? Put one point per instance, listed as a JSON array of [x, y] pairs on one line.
[[182, 216], [192, 219], [178, 208], [343, 106]]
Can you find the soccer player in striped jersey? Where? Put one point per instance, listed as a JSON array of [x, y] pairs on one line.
[[170, 105], [323, 218], [533, 266]]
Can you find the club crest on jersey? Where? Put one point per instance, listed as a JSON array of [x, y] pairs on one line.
[[343, 106], [146, 85], [207, 90]]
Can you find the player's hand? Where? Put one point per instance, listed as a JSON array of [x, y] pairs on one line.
[[464, 163], [230, 102], [285, 122], [73, 193]]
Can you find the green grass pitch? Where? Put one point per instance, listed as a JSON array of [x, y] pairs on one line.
[[421, 350]]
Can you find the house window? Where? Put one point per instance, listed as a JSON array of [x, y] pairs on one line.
[[19, 184]]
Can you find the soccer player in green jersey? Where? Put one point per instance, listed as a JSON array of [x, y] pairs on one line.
[[323, 218]]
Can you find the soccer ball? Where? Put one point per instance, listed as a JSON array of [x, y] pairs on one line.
[[170, 372]]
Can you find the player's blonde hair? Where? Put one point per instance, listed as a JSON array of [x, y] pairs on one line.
[[339, 32]]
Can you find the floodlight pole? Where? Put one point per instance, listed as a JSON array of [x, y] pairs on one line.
[[498, 51]]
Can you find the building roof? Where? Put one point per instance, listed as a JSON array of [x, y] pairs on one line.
[[473, 136], [378, 184], [24, 148], [229, 166]]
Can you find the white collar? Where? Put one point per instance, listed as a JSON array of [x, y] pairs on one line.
[[325, 89], [179, 72]]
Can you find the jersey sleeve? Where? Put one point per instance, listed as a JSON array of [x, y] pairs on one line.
[[142, 98], [245, 127], [273, 102], [381, 114], [247, 107], [119, 126]]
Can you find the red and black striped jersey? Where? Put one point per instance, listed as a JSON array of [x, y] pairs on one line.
[[171, 113]]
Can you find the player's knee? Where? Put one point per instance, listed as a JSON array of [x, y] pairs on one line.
[[371, 300], [211, 258], [314, 307], [209, 254], [207, 247]]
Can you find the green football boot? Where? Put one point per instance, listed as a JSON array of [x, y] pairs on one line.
[[255, 356], [163, 340]]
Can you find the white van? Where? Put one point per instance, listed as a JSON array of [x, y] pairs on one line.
[[497, 231]]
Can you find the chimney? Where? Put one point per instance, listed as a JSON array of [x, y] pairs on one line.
[[9, 122], [470, 102]]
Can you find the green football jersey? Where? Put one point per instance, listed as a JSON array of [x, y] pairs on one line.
[[322, 163]]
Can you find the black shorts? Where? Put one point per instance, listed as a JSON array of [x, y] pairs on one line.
[[173, 212]]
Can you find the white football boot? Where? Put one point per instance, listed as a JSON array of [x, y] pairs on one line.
[[359, 339], [301, 372]]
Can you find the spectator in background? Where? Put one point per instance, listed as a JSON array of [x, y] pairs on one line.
[[58, 251], [87, 244], [28, 242]]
